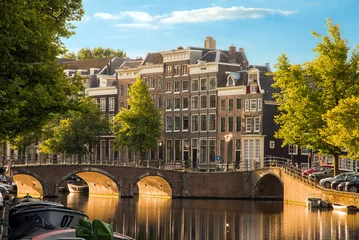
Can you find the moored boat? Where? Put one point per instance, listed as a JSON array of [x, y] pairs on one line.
[[345, 208], [77, 186]]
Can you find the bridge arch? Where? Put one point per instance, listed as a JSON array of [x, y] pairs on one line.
[[269, 186], [99, 181], [154, 186], [29, 183]]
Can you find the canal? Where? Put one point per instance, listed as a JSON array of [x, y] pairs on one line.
[[203, 219]]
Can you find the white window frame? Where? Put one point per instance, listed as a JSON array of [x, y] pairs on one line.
[[209, 122], [169, 71], [103, 104], [215, 83], [271, 144], [175, 72], [193, 84], [168, 104], [229, 108], [204, 97], [305, 151], [248, 124], [184, 90], [183, 118], [185, 72], [175, 101], [193, 97], [215, 101], [257, 124], [176, 87], [206, 85], [253, 88], [183, 105], [177, 128], [192, 125], [111, 119], [294, 148], [168, 86], [200, 120], [253, 105], [259, 104], [246, 105], [167, 127], [152, 82], [111, 104], [159, 82]]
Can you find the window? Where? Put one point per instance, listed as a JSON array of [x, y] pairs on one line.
[[159, 82], [122, 105], [194, 103], [177, 103], [184, 123], [259, 104], [203, 84], [212, 101], [185, 85], [230, 104], [194, 123], [271, 144], [305, 151], [168, 71], [212, 122], [178, 152], [212, 83], [203, 151], [169, 154], [223, 105], [223, 124], [122, 90], [152, 82], [144, 79], [257, 123], [253, 106], [230, 124], [212, 149], [204, 122], [194, 85], [253, 88], [103, 104], [111, 104], [221, 149], [203, 101], [238, 105], [168, 86], [169, 123], [177, 70], [185, 69], [177, 86], [246, 105], [177, 123], [184, 103], [238, 144], [248, 124], [238, 123], [128, 89], [111, 118], [293, 149], [159, 105], [168, 104]]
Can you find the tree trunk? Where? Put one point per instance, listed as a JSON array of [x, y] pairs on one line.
[[336, 164]]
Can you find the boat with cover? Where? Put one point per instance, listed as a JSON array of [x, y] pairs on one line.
[[344, 208], [52, 213], [78, 186]]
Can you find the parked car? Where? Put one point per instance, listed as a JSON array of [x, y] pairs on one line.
[[316, 169], [337, 184], [326, 182], [352, 186]]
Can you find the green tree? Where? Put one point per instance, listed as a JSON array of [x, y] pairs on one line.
[[98, 52], [76, 131], [139, 127], [310, 90], [343, 126], [32, 85], [70, 55]]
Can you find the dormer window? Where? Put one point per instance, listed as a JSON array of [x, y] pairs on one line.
[[253, 88], [230, 81]]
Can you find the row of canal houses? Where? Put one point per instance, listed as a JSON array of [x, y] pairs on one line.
[[216, 107]]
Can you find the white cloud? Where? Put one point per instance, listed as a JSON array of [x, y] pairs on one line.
[[144, 20], [137, 25], [85, 18], [220, 13]]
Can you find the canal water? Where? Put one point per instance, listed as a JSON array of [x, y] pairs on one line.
[[203, 219]]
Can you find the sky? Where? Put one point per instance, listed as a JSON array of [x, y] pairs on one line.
[[264, 28]]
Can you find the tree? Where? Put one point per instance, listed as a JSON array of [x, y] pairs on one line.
[[97, 52], [343, 126], [32, 84], [75, 132], [140, 126], [310, 90]]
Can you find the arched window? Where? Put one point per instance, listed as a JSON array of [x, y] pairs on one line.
[[230, 81]]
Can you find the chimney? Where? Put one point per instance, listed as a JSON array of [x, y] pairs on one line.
[[210, 43], [232, 54], [268, 67], [179, 48], [244, 65]]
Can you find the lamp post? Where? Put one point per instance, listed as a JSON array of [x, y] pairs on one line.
[[159, 143], [227, 138]]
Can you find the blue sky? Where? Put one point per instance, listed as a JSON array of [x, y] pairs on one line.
[[264, 28]]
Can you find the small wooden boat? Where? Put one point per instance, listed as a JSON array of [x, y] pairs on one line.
[[345, 208], [77, 186], [313, 202]]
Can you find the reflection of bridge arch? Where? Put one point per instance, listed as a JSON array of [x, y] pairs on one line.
[[269, 186], [100, 182], [154, 186], [29, 184]]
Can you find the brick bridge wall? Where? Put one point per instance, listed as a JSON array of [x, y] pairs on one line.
[[262, 183]]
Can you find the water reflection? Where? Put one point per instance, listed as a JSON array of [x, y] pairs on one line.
[[198, 219]]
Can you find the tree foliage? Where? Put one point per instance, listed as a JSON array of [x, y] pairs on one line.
[[97, 52], [32, 85], [76, 131], [308, 91], [343, 126], [139, 127]]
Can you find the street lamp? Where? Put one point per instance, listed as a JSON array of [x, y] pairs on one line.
[[159, 143], [227, 138]]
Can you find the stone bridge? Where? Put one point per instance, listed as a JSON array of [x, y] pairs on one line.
[[125, 181]]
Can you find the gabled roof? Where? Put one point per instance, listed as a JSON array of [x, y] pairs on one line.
[[86, 64], [222, 56], [152, 59], [131, 64]]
